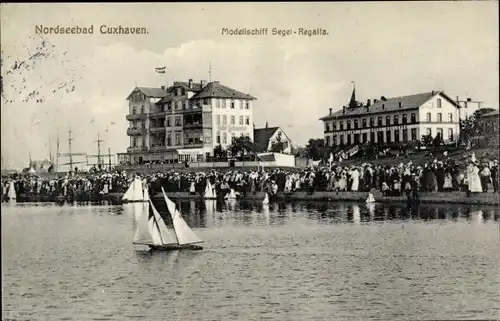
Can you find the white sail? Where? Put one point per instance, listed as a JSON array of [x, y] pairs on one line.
[[12, 191], [135, 191], [145, 194], [166, 236], [209, 191], [266, 199], [155, 232], [185, 234], [370, 198], [143, 233]]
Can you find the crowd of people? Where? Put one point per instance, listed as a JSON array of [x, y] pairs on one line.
[[405, 178]]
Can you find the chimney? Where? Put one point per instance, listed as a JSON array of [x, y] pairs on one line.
[[383, 98], [432, 92], [343, 110], [375, 100], [368, 102], [203, 83], [190, 83], [331, 110], [469, 99]]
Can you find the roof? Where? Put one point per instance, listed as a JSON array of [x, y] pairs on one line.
[[150, 92], [490, 114], [390, 104], [185, 85], [216, 90], [261, 137]]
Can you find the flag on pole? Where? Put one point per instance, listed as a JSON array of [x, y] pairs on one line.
[[161, 70]]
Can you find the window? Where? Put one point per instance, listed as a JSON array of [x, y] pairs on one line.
[[224, 138], [247, 120], [206, 101], [179, 105], [348, 124], [142, 109], [241, 120], [218, 138], [223, 103], [334, 126], [387, 120], [135, 142], [405, 118], [396, 136], [169, 140], [177, 120], [342, 139], [334, 140], [450, 117], [413, 118], [186, 105], [429, 119], [439, 117], [388, 136], [327, 127], [168, 122], [355, 124], [328, 140], [405, 135], [233, 137], [439, 103], [413, 134], [232, 104], [217, 103], [177, 139], [379, 121], [217, 119], [428, 131], [241, 104], [372, 122], [440, 132], [134, 110], [247, 105], [224, 120], [232, 120], [341, 125], [364, 123], [450, 134], [396, 119]]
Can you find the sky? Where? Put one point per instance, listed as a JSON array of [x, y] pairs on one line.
[[387, 49]]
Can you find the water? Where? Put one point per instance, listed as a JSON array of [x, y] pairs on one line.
[[299, 261]]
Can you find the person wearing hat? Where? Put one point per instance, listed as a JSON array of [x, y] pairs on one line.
[[494, 175]]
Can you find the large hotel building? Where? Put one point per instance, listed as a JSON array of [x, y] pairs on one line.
[[185, 121], [393, 120]]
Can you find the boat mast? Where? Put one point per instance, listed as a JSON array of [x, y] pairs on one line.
[[57, 152], [109, 158], [70, 154], [99, 162]]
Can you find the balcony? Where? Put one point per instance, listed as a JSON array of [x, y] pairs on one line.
[[134, 131], [193, 145], [157, 114], [193, 125], [136, 149], [158, 148], [198, 109], [156, 130], [136, 117]]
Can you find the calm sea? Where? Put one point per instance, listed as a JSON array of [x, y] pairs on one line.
[[301, 261]]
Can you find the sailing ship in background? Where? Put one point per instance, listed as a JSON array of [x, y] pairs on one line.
[[210, 193], [151, 229]]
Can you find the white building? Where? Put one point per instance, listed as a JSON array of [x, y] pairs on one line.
[[185, 121], [468, 107], [393, 120], [265, 137]]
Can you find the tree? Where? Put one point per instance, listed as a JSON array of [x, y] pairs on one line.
[[437, 141], [278, 146], [315, 148], [470, 127], [427, 140], [241, 146], [299, 151], [219, 152]]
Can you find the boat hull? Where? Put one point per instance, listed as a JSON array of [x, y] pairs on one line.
[[139, 201], [173, 247]]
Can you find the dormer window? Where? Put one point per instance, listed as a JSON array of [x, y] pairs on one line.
[[232, 104]]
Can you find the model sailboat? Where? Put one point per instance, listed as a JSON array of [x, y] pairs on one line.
[[135, 192], [152, 231], [209, 192]]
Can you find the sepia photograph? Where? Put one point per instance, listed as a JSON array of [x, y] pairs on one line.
[[250, 161]]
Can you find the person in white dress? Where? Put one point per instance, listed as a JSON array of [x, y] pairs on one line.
[[355, 179], [473, 178]]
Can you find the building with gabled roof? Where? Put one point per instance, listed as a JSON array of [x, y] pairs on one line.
[[185, 121], [265, 137], [393, 120]]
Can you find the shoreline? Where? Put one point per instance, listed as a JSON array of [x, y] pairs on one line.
[[488, 198]]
